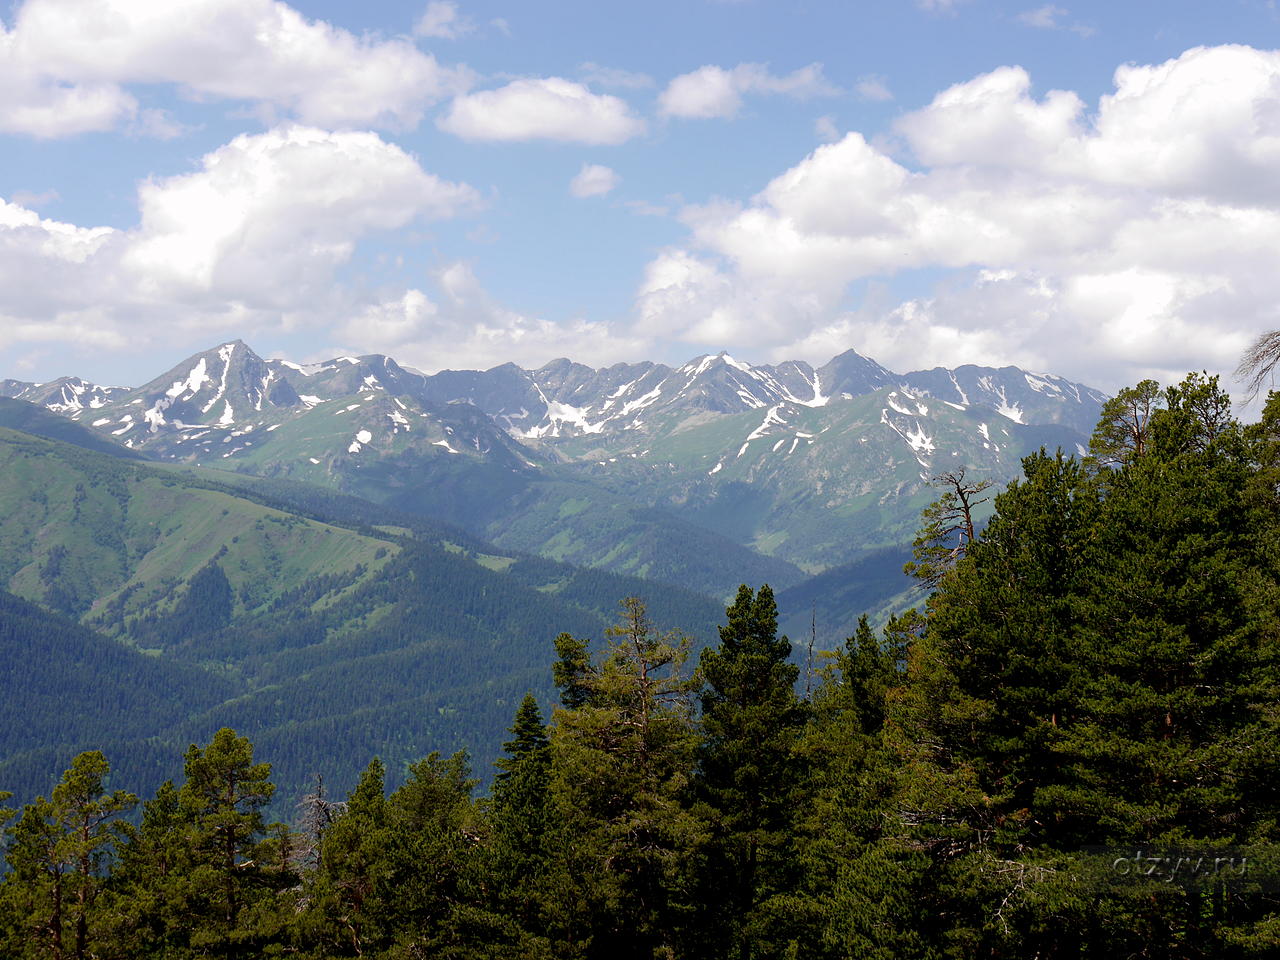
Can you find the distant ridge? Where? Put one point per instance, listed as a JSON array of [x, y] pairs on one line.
[[699, 474]]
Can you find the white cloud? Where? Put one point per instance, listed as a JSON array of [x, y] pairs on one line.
[[712, 91], [1043, 18], [593, 180], [873, 88], [45, 107], [466, 328], [255, 234], [442, 21], [1134, 240], [826, 129], [1050, 17], [65, 64], [542, 109], [32, 200], [270, 215]]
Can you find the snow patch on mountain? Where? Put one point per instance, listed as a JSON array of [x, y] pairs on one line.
[[771, 419], [196, 379]]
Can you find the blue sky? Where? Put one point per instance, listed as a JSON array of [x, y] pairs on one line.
[[1083, 188]]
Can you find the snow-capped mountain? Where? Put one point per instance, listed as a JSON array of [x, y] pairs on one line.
[[813, 466], [1013, 393], [70, 396]]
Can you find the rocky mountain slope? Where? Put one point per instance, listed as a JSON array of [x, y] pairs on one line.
[[709, 473]]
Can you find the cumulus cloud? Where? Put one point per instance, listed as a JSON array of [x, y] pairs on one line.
[[712, 91], [65, 64], [442, 21], [465, 327], [542, 109], [255, 233], [1135, 239], [270, 215], [37, 105], [593, 180]]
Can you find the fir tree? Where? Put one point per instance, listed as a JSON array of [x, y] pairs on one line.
[[747, 771]]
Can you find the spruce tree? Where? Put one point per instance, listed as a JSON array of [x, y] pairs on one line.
[[748, 772], [523, 869]]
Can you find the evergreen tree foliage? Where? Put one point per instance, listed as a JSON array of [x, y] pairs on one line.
[[1093, 686], [621, 769], [338, 895], [59, 852], [950, 526], [522, 862], [749, 776], [1124, 429], [859, 893], [1099, 672]]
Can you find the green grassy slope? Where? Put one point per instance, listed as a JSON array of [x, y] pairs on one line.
[[115, 542], [329, 628]]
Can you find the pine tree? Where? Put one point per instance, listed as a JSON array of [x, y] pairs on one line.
[[59, 851], [150, 882], [621, 768], [426, 859], [1124, 430], [860, 891], [1097, 671], [339, 916], [951, 524]]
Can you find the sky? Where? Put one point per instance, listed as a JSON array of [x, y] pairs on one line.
[[1086, 189]]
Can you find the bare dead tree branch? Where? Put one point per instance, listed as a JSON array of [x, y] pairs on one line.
[[1259, 362]]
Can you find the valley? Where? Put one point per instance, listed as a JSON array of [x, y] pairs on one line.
[[364, 559]]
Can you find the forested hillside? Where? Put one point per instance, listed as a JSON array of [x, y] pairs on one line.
[[1069, 752], [322, 625], [704, 475]]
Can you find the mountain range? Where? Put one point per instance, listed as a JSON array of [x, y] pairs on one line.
[[704, 474], [353, 557]]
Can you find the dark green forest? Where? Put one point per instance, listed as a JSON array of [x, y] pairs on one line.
[[1070, 751]]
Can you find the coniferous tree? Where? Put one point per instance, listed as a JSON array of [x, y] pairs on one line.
[[621, 764], [59, 852], [522, 869], [951, 524], [749, 776], [230, 880], [1124, 429], [1096, 672], [338, 895], [421, 893], [862, 892]]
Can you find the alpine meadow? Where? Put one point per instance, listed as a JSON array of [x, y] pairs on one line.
[[692, 480]]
